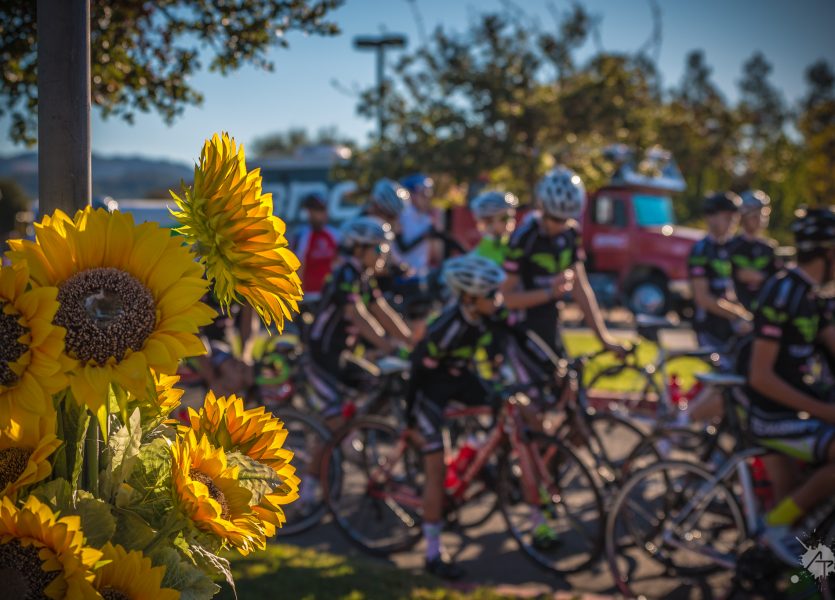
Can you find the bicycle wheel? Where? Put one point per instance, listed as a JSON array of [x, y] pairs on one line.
[[651, 554], [377, 500], [305, 435], [628, 387], [571, 507], [607, 442]]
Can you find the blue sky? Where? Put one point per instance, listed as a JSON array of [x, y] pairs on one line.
[[300, 92]]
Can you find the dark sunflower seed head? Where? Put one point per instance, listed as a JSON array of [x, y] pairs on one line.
[[13, 462], [21, 572], [215, 493], [106, 312], [10, 348]]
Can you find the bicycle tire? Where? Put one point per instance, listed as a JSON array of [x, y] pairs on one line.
[[362, 446], [571, 472], [304, 431], [625, 511]]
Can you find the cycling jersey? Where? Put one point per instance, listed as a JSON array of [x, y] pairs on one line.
[[711, 260], [332, 332], [754, 254], [493, 249], [537, 258], [789, 311]]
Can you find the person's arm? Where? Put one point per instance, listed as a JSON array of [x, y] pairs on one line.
[[392, 322], [764, 380], [516, 298], [585, 298], [369, 328], [249, 327], [716, 306], [827, 338]]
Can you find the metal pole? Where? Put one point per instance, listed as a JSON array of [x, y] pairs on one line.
[[64, 171], [381, 90]]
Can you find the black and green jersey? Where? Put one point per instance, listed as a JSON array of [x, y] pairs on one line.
[[452, 342], [493, 249], [753, 254], [789, 311], [537, 258], [711, 260], [331, 332]]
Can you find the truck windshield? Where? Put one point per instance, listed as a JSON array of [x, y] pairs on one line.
[[653, 211]]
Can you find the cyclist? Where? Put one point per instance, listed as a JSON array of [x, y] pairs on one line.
[[352, 309], [719, 315], [752, 254], [790, 317], [419, 222], [315, 244], [546, 259], [443, 370], [495, 214]]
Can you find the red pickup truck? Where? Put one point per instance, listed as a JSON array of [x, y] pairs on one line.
[[637, 255]]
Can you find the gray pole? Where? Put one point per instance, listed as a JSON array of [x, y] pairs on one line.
[[381, 91], [64, 172]]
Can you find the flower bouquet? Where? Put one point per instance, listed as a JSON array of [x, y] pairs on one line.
[[102, 496]]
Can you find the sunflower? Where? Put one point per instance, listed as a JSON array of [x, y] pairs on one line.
[[129, 299], [130, 576], [32, 364], [260, 436], [42, 556], [26, 443], [164, 399], [231, 224], [209, 493]]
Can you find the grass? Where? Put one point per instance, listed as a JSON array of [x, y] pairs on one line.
[[292, 573]]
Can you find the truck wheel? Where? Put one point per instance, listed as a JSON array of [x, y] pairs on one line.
[[650, 297]]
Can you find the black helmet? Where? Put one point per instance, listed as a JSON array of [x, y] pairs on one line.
[[814, 228], [721, 202]]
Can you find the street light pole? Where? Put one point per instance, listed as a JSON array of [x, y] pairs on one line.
[[379, 44], [64, 163]]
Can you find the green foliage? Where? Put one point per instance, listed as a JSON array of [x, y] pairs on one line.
[[183, 575], [508, 98], [97, 520], [258, 478], [144, 54], [120, 455], [147, 492]]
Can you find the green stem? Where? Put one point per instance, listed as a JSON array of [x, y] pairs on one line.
[[91, 456]]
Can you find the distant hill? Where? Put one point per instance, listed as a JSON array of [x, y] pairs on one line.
[[119, 177]]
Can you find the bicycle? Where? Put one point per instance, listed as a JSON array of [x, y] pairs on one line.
[[689, 520], [383, 480]]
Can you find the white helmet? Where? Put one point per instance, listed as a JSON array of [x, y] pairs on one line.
[[561, 193], [473, 275], [364, 231], [389, 197], [490, 204]]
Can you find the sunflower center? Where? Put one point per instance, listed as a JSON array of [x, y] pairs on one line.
[[13, 462], [215, 493], [106, 312], [110, 593], [22, 573], [10, 348]]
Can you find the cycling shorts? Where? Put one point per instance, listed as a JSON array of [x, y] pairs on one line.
[[434, 392], [805, 439]]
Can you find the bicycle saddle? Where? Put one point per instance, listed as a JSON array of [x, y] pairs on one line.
[[721, 379]]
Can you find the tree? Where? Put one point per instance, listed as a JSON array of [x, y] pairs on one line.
[[143, 53], [284, 143], [817, 125]]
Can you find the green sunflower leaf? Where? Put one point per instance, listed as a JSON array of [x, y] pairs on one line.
[[258, 478], [148, 491], [97, 520], [182, 575], [57, 494], [120, 455]]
